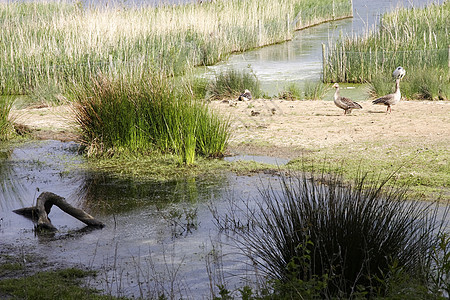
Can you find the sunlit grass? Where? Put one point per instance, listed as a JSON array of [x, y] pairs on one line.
[[422, 167], [231, 83], [59, 43]]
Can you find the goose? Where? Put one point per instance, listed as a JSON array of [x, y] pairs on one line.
[[399, 73], [345, 103], [245, 96], [390, 99]]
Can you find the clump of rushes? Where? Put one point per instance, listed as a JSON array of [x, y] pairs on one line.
[[6, 127], [315, 90], [146, 115], [340, 240], [416, 39], [291, 92], [58, 43], [231, 83]]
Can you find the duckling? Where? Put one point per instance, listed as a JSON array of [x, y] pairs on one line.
[[345, 103], [245, 96], [390, 99]]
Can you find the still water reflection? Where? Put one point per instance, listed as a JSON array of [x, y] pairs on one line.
[[152, 229]]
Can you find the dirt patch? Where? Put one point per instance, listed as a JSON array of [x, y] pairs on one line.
[[47, 123], [289, 128]]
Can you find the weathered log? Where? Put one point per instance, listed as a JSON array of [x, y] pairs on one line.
[[44, 204]]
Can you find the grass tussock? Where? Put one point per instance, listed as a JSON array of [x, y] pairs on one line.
[[317, 237], [6, 127], [146, 115], [231, 83], [312, 90], [58, 43], [415, 38]]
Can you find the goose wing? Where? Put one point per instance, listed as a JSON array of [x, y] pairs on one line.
[[384, 100], [350, 103]]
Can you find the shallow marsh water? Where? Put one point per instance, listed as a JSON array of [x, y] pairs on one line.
[[158, 238], [155, 234]]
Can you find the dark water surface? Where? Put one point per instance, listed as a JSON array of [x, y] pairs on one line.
[[155, 234]]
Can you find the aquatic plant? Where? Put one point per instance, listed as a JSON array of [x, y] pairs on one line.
[[291, 91], [322, 236], [314, 90], [231, 83], [144, 115], [6, 127], [59, 43], [415, 38]]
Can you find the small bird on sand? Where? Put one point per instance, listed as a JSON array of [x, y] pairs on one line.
[[245, 96], [254, 113], [390, 99], [399, 73], [345, 103]]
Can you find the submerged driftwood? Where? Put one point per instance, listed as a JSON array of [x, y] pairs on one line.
[[44, 204]]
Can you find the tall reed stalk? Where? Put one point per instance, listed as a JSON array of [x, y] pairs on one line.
[[58, 43], [416, 38]]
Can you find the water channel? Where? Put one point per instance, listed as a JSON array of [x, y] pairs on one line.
[[300, 59], [158, 237]]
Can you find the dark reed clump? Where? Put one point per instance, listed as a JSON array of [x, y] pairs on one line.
[[340, 240]]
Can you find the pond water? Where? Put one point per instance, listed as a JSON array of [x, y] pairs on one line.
[[155, 234], [300, 59]]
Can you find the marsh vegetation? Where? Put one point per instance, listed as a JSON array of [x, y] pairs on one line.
[[54, 44], [315, 236], [415, 38]]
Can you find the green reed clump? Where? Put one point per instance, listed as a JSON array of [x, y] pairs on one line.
[[416, 39], [58, 43], [427, 84], [334, 239], [231, 83], [291, 92], [146, 115], [314, 90], [6, 127]]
